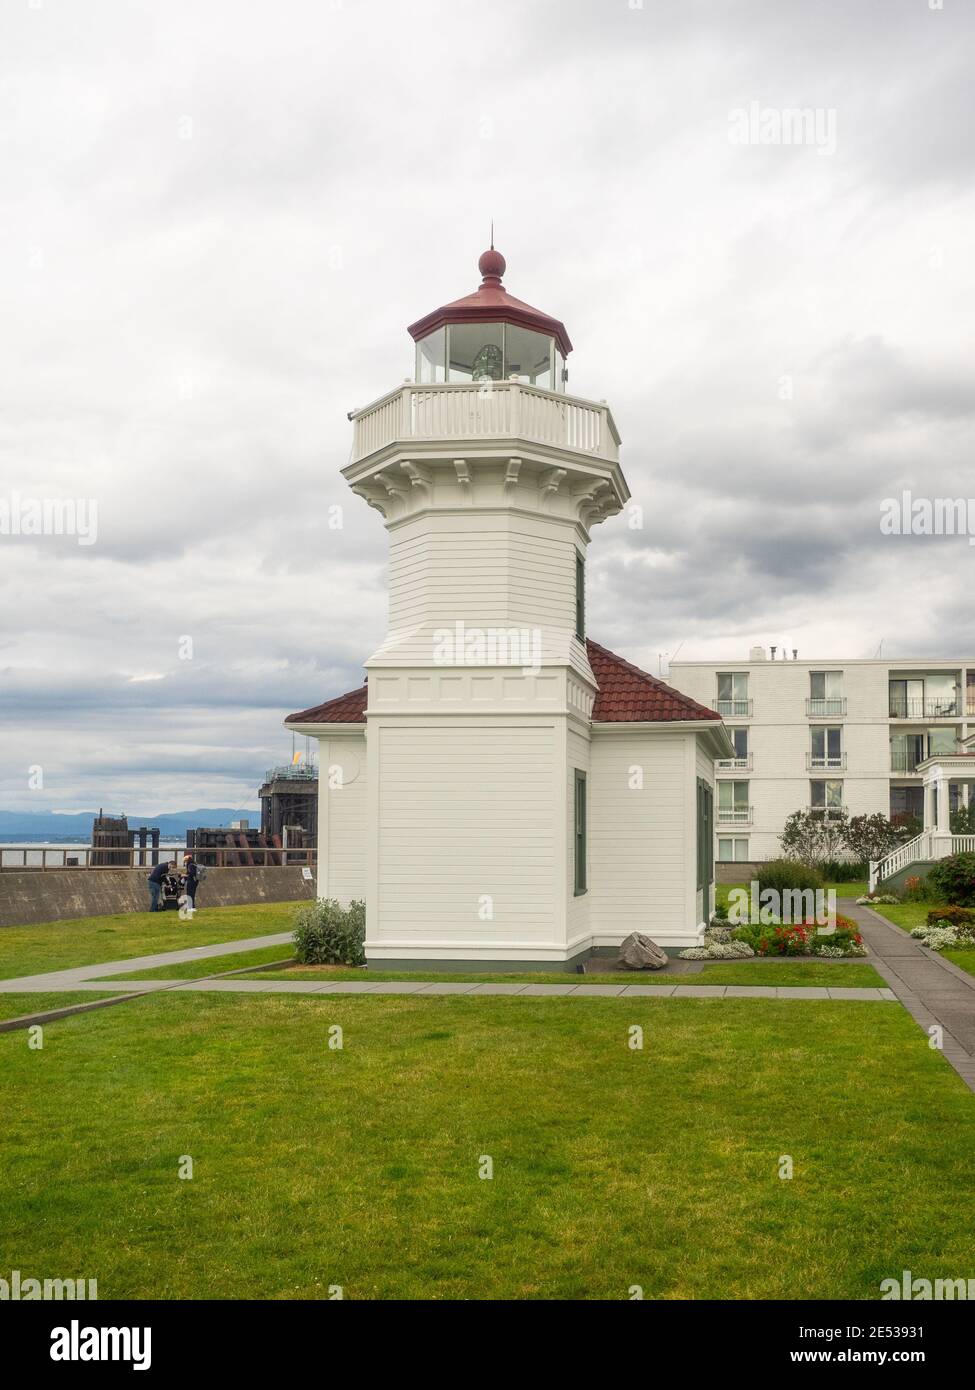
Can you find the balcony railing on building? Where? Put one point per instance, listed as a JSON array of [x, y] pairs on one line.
[[489, 409], [831, 708], [734, 709], [926, 709], [815, 761], [734, 815], [905, 762], [829, 812], [734, 764]]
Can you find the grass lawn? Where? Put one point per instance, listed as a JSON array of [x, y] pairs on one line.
[[359, 1167], [746, 972], [965, 959], [13, 1005], [905, 915], [92, 940]]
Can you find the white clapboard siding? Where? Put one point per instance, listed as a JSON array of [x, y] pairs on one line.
[[466, 814]]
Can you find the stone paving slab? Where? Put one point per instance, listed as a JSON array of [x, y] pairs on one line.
[[607, 990], [650, 991], [536, 990]]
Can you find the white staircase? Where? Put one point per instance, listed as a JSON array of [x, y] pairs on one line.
[[930, 844]]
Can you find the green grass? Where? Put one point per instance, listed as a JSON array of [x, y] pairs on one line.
[[747, 972], [13, 1005], [93, 940], [213, 965], [964, 959], [359, 1167], [905, 915]]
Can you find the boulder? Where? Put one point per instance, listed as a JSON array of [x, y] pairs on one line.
[[638, 952]]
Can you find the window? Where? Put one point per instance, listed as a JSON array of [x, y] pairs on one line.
[[827, 747], [826, 796], [733, 803], [732, 851], [580, 832], [739, 738], [431, 357], [826, 692], [580, 597], [528, 356], [705, 834], [733, 693]]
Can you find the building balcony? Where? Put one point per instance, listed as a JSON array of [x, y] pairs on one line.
[[833, 708], [734, 709], [815, 762], [467, 411], [904, 763], [828, 812], [734, 764], [925, 709], [734, 815]]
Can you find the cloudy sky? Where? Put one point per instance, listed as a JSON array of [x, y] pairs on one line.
[[219, 218]]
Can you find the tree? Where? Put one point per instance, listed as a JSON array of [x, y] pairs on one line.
[[871, 837], [963, 820], [813, 837]]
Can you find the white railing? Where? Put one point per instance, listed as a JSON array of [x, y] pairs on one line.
[[824, 708], [930, 844], [735, 815], [734, 709], [470, 410], [735, 764], [816, 761]]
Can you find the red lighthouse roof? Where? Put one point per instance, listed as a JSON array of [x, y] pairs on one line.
[[491, 303]]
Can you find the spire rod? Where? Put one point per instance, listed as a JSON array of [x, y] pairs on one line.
[[492, 233]]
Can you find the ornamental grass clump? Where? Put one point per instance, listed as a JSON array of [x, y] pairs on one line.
[[718, 945]]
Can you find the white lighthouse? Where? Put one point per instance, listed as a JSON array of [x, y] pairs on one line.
[[477, 800]]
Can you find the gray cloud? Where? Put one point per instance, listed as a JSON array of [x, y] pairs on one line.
[[219, 220]]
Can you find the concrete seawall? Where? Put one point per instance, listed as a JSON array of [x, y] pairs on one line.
[[28, 896]]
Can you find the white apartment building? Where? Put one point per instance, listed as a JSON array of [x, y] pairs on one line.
[[825, 734]]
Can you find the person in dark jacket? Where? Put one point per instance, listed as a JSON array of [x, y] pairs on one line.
[[191, 879], [156, 879]]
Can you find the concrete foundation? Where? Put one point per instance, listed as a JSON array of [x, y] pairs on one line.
[[29, 896]]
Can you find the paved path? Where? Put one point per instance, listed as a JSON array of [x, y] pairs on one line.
[[933, 990], [77, 976]]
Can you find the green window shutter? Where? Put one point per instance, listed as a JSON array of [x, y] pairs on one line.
[[580, 597], [580, 832]]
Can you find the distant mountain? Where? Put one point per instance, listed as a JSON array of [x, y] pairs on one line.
[[25, 825]]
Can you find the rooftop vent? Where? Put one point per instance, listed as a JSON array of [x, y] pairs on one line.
[[756, 654]]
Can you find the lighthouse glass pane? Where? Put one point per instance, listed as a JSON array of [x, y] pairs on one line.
[[476, 352], [431, 357], [528, 356]]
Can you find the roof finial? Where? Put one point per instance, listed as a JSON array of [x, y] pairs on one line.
[[492, 264]]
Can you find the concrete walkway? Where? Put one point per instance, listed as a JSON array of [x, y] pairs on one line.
[[933, 990], [78, 976]]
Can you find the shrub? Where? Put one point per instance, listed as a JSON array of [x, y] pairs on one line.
[[327, 934], [914, 889], [955, 915], [844, 870], [878, 898], [954, 879], [783, 874]]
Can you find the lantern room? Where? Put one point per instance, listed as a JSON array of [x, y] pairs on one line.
[[491, 336]]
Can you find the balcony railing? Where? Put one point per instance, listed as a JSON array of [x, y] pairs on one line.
[[925, 709], [833, 708], [490, 409], [829, 812], [815, 761], [734, 815], [734, 764], [734, 709]]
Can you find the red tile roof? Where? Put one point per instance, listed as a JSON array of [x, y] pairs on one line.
[[626, 695], [344, 709]]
